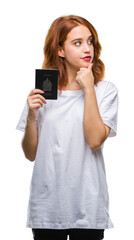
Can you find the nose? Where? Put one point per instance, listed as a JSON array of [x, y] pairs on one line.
[[86, 47]]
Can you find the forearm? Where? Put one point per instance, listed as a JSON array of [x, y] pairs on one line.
[[94, 128], [30, 140]]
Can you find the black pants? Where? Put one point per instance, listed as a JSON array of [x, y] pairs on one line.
[[74, 234]]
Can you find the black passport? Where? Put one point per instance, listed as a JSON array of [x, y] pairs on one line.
[[47, 80]]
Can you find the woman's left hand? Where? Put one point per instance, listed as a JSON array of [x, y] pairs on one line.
[[85, 77]]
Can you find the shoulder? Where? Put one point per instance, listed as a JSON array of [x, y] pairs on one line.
[[106, 86], [105, 91]]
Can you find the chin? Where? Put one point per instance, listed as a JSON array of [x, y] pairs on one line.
[[85, 65]]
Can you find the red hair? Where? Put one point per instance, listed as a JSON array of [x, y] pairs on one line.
[[56, 37]]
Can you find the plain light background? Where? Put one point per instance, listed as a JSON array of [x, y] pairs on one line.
[[24, 25]]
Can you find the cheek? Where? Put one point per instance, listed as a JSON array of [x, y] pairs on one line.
[[71, 54], [92, 50]]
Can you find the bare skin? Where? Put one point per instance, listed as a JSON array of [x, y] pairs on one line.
[[30, 139]]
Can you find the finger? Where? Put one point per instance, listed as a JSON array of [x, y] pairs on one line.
[[90, 66], [35, 101], [83, 69], [34, 91], [36, 105], [77, 79], [38, 96]]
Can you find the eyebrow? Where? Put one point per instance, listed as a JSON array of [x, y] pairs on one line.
[[81, 38]]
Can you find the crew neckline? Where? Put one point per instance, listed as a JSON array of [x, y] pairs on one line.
[[74, 92], [70, 92]]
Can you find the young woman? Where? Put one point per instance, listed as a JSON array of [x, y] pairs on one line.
[[65, 137]]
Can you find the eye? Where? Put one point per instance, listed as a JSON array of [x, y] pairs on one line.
[[90, 41], [77, 43]]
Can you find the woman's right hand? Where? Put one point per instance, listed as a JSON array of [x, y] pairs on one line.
[[35, 101]]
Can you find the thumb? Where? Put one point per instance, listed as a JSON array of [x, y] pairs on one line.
[[90, 66]]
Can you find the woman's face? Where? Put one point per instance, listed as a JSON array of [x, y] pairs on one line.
[[78, 48]]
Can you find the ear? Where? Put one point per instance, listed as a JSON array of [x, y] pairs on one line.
[[60, 52]]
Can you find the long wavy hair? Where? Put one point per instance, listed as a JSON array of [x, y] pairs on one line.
[[57, 35]]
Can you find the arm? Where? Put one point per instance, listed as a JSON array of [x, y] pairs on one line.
[[30, 140], [95, 130]]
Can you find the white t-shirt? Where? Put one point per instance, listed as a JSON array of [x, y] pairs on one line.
[[68, 185]]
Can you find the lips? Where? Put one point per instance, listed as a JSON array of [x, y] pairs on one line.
[[87, 58]]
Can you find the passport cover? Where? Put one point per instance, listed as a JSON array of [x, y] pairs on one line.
[[47, 80]]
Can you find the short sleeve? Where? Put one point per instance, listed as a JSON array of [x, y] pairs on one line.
[[109, 108], [23, 119]]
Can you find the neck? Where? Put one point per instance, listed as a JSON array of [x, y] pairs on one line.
[[71, 77]]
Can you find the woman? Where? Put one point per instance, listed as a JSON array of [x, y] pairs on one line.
[[69, 194]]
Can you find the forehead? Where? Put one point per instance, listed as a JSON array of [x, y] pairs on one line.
[[79, 32]]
